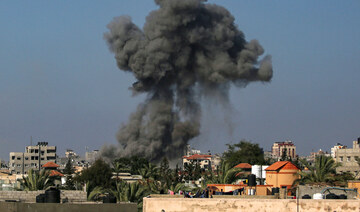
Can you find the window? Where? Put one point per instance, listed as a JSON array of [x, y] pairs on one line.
[[18, 158], [12, 157], [18, 165], [341, 159], [36, 151], [42, 152], [26, 158], [32, 158], [348, 158], [36, 158], [42, 158]]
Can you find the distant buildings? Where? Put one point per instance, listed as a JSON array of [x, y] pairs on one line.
[[347, 158], [206, 161], [33, 158], [285, 148], [90, 157]]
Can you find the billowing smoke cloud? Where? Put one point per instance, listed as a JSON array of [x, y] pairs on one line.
[[186, 49]]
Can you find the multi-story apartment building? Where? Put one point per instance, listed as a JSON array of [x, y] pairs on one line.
[[33, 158], [286, 147], [335, 148], [347, 158]]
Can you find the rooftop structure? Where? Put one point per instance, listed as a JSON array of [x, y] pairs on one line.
[[33, 158], [281, 173]]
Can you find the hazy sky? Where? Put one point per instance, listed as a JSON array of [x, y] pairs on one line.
[[59, 83]]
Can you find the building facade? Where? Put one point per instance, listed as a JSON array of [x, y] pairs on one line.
[[286, 147], [33, 158], [335, 148], [281, 173], [347, 158]]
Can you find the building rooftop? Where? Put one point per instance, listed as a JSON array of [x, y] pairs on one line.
[[281, 165], [197, 156], [50, 165], [243, 166]]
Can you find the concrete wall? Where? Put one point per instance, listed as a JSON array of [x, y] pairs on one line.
[[30, 196], [235, 205], [311, 190], [53, 207]]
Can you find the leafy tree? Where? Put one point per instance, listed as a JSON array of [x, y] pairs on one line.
[[284, 156], [37, 180], [132, 164], [244, 152], [98, 175], [322, 172], [69, 171]]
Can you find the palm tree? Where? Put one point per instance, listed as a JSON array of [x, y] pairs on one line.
[[322, 172], [116, 168], [118, 192], [37, 180], [224, 175], [96, 193], [149, 171]]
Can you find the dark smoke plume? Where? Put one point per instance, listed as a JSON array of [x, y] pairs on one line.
[[187, 49]]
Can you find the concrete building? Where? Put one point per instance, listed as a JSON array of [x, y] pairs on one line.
[[281, 173], [347, 158], [33, 158], [90, 157], [286, 147], [335, 148], [204, 161]]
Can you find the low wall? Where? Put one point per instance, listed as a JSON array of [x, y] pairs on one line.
[[53, 207], [234, 205], [311, 190], [30, 196]]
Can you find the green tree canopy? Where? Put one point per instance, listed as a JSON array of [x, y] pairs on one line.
[[131, 164], [99, 174], [244, 152]]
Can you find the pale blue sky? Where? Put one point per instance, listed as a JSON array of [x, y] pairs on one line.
[[59, 82]]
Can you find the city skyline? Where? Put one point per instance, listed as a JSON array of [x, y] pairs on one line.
[[60, 84]]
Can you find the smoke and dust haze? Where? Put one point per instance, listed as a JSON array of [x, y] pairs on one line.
[[187, 50]]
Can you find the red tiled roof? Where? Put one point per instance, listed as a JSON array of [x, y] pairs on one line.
[[55, 173], [197, 156], [243, 166], [50, 165], [281, 165]]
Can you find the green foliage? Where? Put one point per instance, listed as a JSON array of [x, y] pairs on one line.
[[225, 174], [244, 152], [130, 165], [98, 175], [149, 171], [37, 180], [322, 172], [192, 171], [69, 171]]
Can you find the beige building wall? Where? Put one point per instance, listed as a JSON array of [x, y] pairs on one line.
[[347, 159], [33, 158], [281, 178]]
